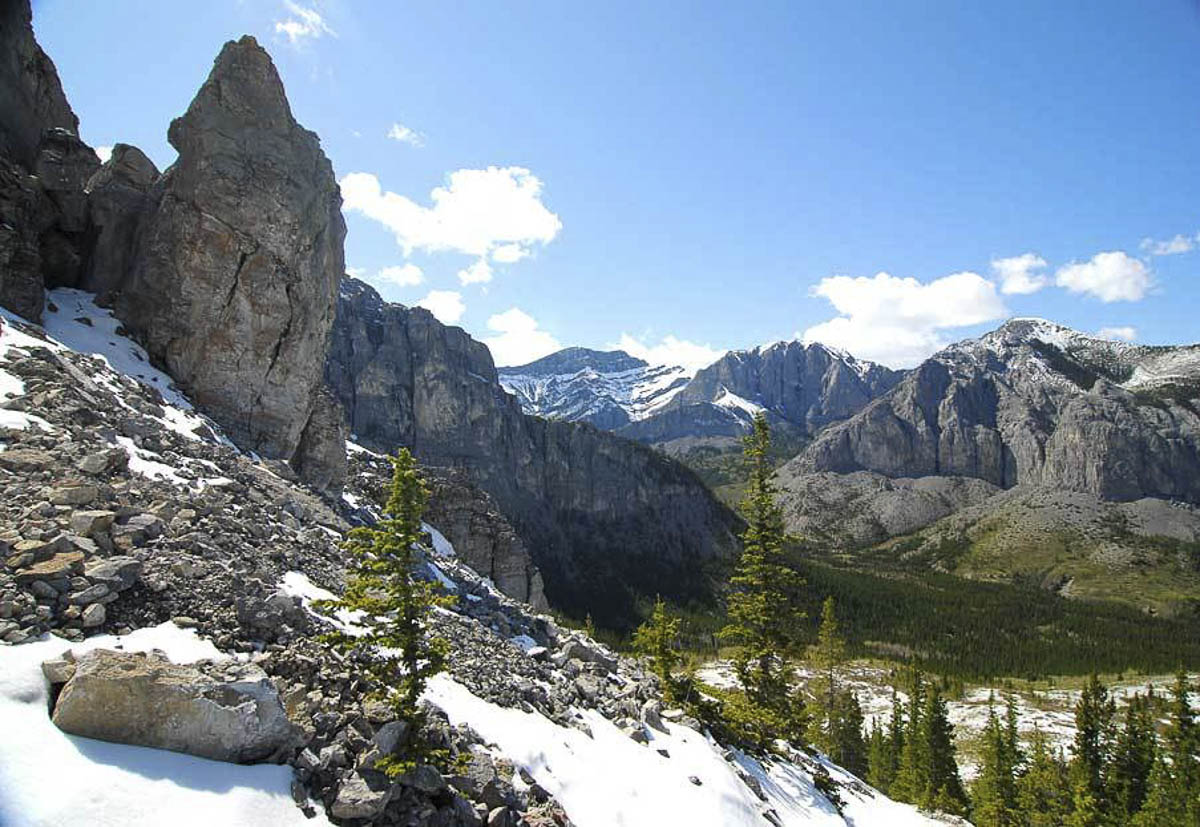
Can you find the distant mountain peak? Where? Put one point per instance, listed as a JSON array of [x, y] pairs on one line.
[[572, 360]]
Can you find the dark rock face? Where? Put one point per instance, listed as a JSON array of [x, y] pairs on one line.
[[1037, 404], [43, 168], [118, 195], [603, 517], [235, 265]]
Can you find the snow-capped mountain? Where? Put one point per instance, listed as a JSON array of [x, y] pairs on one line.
[[800, 387], [609, 389]]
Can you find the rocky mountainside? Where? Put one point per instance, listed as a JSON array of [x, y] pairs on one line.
[[1034, 452], [608, 389], [802, 388], [1034, 403], [604, 518]]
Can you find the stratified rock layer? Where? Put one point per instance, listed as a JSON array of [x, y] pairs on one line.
[[236, 264]]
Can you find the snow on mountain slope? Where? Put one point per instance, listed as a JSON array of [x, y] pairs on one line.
[[112, 785], [607, 388]]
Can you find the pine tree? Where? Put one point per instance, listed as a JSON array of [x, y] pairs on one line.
[[826, 656], [848, 750], [1133, 758], [1173, 794], [994, 793], [1093, 742], [1042, 791], [763, 608], [879, 759], [656, 640], [944, 790], [912, 773], [391, 606]]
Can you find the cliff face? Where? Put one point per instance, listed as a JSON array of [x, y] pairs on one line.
[[604, 518], [232, 272], [1034, 403], [44, 228]]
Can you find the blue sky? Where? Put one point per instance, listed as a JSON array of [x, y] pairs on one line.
[[691, 177]]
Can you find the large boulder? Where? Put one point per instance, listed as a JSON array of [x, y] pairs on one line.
[[236, 264], [148, 701]]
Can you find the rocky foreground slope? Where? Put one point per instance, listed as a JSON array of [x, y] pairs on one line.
[[131, 523]]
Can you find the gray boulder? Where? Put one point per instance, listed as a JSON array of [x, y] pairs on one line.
[[148, 701]]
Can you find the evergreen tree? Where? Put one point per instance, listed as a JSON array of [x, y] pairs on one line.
[[912, 773], [763, 608], [1043, 795], [879, 759], [1133, 759], [944, 790], [392, 604], [826, 656], [847, 749], [656, 640], [1173, 795], [1093, 736], [994, 792]]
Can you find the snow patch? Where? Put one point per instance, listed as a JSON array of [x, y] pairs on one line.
[[441, 546], [110, 785]]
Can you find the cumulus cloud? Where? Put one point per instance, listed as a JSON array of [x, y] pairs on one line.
[[1020, 275], [1124, 334], [901, 321], [401, 275], [476, 211], [356, 272], [304, 24], [1110, 277], [402, 134], [103, 153], [1170, 247], [670, 351], [479, 272], [519, 339], [446, 305], [509, 253]]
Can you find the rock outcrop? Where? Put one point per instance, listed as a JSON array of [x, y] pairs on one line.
[[604, 517], [1034, 403], [226, 714], [118, 197], [235, 268], [44, 228]]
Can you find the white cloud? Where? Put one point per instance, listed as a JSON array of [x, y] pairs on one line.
[[446, 305], [670, 351], [900, 321], [509, 253], [305, 24], [477, 212], [1110, 277], [1020, 275], [1170, 247], [400, 132], [356, 272], [519, 338], [478, 273], [401, 275], [1124, 334], [103, 153]]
